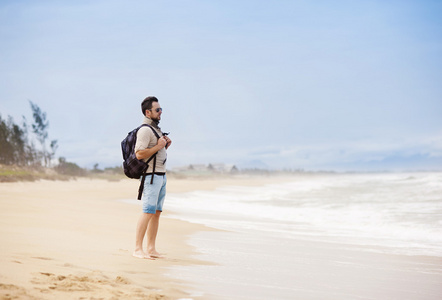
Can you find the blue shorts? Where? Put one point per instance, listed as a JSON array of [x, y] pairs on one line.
[[154, 194]]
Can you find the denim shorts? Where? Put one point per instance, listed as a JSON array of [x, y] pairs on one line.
[[154, 194]]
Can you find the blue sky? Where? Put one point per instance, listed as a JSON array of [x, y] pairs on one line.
[[342, 85]]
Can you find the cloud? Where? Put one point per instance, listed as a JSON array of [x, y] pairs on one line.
[[354, 154]]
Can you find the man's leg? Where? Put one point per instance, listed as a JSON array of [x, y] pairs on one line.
[[143, 222], [152, 231], [149, 203], [153, 199]]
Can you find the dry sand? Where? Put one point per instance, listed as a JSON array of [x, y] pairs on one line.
[[73, 240]]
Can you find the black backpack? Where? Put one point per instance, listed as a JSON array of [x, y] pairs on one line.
[[133, 167]]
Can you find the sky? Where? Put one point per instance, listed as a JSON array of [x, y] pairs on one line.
[[313, 85]]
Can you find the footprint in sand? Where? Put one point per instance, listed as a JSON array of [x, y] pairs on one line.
[[68, 265], [11, 291], [85, 285], [42, 258], [17, 261]]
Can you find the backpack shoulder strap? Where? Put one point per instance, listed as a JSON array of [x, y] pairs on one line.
[[157, 136], [154, 157], [153, 130]]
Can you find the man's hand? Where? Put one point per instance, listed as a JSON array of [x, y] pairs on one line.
[[162, 142], [168, 141]]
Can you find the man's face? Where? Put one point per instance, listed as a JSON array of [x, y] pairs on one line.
[[155, 112]]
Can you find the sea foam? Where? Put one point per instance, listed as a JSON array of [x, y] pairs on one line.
[[397, 212]]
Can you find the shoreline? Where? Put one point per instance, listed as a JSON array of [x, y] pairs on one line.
[[72, 239]]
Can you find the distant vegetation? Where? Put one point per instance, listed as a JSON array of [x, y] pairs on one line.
[[27, 153], [17, 141]]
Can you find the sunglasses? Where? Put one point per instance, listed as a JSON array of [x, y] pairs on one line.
[[157, 109]]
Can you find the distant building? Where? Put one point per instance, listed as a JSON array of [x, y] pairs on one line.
[[223, 168], [199, 167], [210, 168]]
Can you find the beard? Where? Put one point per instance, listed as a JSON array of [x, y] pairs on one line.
[[155, 119]]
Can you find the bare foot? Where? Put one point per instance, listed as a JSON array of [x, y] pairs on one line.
[[141, 254], [155, 254]]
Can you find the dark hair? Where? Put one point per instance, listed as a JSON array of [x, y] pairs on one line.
[[147, 104]]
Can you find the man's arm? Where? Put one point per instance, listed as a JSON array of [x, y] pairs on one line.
[[148, 152]]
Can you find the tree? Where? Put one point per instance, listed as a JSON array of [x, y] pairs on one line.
[[40, 129], [15, 146], [13, 143], [18, 141], [6, 148], [54, 147], [30, 150]]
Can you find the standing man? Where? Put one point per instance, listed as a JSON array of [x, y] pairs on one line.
[[153, 195]]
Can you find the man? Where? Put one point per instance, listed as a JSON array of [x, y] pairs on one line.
[[153, 195]]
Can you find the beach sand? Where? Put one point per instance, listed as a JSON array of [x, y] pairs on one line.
[[74, 240]]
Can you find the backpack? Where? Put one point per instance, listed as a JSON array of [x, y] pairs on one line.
[[133, 167]]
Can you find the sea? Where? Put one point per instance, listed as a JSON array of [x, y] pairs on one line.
[[317, 236], [303, 238], [401, 213]]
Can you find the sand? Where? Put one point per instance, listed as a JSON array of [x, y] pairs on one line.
[[74, 240]]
